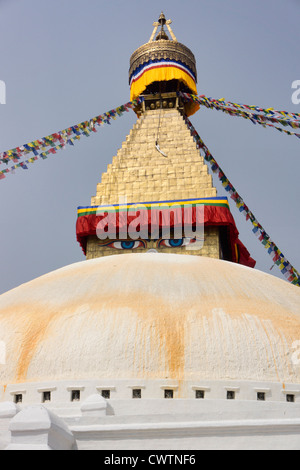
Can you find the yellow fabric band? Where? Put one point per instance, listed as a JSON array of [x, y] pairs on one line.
[[164, 73]]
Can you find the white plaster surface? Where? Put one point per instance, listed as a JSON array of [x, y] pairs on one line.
[[151, 321], [37, 428], [147, 316]]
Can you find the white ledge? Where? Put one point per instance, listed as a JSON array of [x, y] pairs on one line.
[[247, 425], [135, 387], [46, 389], [169, 387]]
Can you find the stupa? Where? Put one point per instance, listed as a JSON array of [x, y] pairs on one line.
[[165, 337]]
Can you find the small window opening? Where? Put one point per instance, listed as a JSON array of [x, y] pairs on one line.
[[18, 398], [200, 394], [137, 393], [46, 396], [169, 393], [105, 394], [230, 395], [290, 398], [75, 395], [261, 396]]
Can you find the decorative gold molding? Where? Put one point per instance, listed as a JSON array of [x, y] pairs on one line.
[[163, 49]]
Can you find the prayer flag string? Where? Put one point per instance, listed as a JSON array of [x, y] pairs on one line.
[[265, 117], [289, 272], [50, 144]]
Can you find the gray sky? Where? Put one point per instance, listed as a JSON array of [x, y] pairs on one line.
[[65, 61]]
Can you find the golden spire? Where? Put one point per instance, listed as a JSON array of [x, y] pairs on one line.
[[162, 35], [163, 65]]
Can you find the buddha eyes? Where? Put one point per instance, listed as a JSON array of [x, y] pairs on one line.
[[126, 244], [176, 242], [167, 243]]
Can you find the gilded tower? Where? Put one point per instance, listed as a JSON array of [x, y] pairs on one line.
[[159, 164]]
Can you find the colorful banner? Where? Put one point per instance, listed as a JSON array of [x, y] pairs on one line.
[[289, 272], [49, 145], [257, 115], [161, 70], [158, 214]]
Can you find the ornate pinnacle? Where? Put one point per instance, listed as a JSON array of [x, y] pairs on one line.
[[162, 35]]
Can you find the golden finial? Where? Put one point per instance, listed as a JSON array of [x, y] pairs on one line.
[[162, 34]]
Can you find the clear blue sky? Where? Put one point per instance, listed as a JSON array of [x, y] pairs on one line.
[[65, 61]]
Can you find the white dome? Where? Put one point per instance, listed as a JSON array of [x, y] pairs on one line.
[[151, 316]]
